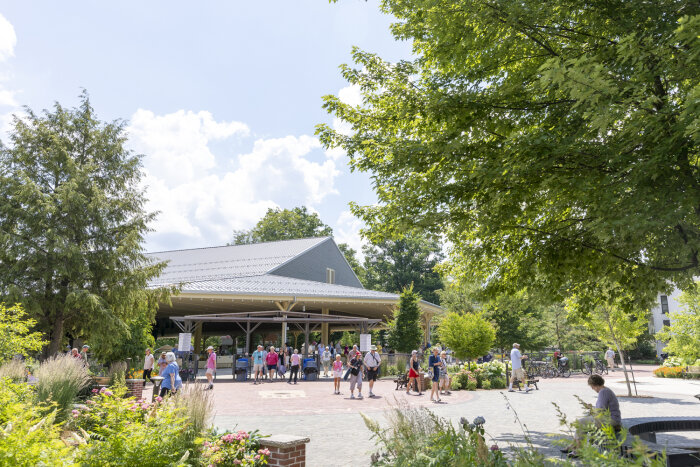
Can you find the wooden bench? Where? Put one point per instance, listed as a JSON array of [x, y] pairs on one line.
[[647, 427], [692, 372], [526, 383]]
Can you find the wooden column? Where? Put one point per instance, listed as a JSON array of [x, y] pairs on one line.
[[324, 327], [198, 338]]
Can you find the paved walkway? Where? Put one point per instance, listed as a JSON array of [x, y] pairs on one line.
[[339, 437]]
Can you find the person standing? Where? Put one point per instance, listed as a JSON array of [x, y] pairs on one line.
[[75, 354], [171, 376], [326, 362], [148, 363], [162, 362], [264, 358], [434, 364], [281, 370], [271, 360], [211, 366], [337, 373], [84, 353], [372, 362], [294, 361], [516, 359], [610, 358], [355, 365], [257, 363], [413, 373], [444, 377]]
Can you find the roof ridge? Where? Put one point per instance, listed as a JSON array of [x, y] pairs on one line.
[[292, 258], [242, 244]]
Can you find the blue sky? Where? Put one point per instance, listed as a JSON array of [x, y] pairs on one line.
[[222, 97]]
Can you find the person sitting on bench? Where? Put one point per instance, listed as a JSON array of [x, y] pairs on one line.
[[605, 412]]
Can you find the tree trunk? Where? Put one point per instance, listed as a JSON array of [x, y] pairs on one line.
[[54, 346]]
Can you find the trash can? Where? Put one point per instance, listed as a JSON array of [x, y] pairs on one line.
[[310, 369], [241, 369]]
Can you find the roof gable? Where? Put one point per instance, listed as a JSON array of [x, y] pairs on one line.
[[229, 261]]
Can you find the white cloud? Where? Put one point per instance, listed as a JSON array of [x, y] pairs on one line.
[[347, 230], [351, 95], [8, 39], [205, 192]]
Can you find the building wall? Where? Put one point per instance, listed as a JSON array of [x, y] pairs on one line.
[[659, 317], [313, 264]]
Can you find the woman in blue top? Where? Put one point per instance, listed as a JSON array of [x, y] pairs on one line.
[[435, 363], [171, 376]]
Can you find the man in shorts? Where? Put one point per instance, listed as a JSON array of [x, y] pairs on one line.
[[211, 366], [516, 360], [444, 377], [372, 362], [258, 359]]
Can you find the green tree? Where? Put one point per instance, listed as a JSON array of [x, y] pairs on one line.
[[516, 318], [16, 336], [392, 265], [564, 334], [131, 346], [683, 336], [405, 332], [469, 335], [459, 297], [351, 257], [284, 224], [72, 226], [555, 142], [610, 313]]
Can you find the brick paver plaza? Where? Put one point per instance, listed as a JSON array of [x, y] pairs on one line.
[[339, 437]]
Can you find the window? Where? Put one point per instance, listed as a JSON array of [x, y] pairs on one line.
[[667, 322], [664, 304], [330, 276]]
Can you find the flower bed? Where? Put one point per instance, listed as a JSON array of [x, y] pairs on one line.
[[669, 372], [472, 376]]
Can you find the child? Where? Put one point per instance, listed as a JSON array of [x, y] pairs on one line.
[[337, 374]]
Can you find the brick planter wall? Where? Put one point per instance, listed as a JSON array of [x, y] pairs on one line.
[[286, 450], [134, 388]]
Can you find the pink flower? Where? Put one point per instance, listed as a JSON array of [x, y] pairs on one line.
[[94, 391], [102, 390], [74, 412], [90, 401], [159, 399], [144, 406], [236, 461], [109, 393], [265, 452], [75, 415], [257, 457], [494, 447]]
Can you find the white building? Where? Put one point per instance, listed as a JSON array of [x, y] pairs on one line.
[[662, 314]]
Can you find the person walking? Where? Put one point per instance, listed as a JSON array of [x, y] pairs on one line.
[[413, 373], [516, 359], [148, 363], [355, 365], [444, 377], [281, 369], [337, 373], [610, 358], [171, 376], [326, 362], [372, 362], [258, 363], [434, 364], [271, 360], [211, 366], [294, 361]]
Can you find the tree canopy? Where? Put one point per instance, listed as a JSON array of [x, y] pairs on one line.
[[392, 265], [72, 225], [284, 224], [550, 145], [469, 335], [16, 335], [683, 336]]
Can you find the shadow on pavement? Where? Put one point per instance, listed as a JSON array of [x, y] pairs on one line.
[[657, 400]]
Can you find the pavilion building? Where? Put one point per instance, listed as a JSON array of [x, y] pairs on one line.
[[297, 286]]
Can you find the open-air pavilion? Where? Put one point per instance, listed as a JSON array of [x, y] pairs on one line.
[[231, 290]]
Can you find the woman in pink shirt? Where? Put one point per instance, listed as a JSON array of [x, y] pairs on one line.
[[271, 361], [211, 366], [294, 361], [337, 373]]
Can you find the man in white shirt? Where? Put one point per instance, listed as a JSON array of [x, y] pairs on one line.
[[372, 362], [326, 361], [610, 357], [148, 364], [516, 359]]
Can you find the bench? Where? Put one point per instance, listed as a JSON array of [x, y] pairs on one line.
[[692, 372], [647, 427], [526, 383]]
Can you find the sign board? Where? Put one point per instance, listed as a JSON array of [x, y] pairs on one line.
[[365, 342], [184, 342]]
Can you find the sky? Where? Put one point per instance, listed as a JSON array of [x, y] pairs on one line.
[[221, 98]]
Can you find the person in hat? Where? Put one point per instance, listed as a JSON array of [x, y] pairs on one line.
[[211, 366], [372, 362], [516, 361], [84, 352]]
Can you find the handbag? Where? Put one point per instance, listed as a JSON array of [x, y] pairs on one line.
[[354, 371]]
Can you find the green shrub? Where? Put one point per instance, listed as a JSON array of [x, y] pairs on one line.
[[471, 385], [498, 383], [486, 384], [131, 431], [456, 384], [231, 449], [60, 379]]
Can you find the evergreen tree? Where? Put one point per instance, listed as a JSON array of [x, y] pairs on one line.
[[405, 331]]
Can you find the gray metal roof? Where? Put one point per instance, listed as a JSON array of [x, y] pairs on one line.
[[268, 284], [229, 261]]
